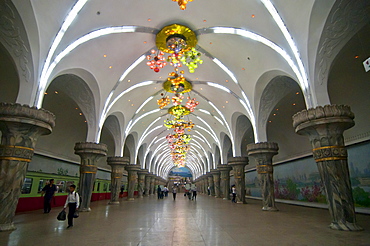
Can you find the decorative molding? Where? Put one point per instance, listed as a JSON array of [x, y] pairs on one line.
[[13, 33], [345, 19]]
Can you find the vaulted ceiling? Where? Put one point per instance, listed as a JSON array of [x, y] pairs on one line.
[[244, 45]]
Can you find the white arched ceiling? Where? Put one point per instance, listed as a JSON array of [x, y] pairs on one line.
[[240, 43]]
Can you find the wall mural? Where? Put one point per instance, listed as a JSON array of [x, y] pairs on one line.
[[181, 172], [300, 180]]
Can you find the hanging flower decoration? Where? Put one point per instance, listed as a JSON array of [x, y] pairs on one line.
[[191, 59], [177, 99], [179, 42], [191, 104], [156, 60], [182, 3], [163, 102]]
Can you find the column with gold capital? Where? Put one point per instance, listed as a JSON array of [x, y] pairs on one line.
[[20, 127], [211, 184], [118, 164], [324, 126], [147, 184], [263, 153], [238, 164], [89, 153]]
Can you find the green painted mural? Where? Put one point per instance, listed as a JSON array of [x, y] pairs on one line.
[[300, 180]]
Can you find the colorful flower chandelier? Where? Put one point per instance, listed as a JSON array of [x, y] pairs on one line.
[[182, 3], [179, 42]]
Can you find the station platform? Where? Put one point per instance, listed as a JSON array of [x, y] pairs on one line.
[[207, 221]]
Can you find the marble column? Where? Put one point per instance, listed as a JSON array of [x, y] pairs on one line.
[[89, 153], [238, 164], [152, 184], [141, 182], [224, 181], [206, 184], [216, 182], [211, 184], [20, 126], [324, 126], [117, 164], [132, 180], [263, 153], [147, 184]]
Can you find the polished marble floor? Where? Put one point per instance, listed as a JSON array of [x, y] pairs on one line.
[[207, 221]]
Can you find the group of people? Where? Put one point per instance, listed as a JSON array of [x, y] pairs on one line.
[[191, 193], [162, 192], [72, 201]]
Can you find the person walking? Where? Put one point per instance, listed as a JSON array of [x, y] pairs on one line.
[[194, 190], [165, 189], [174, 192], [73, 202], [159, 191], [233, 192], [48, 192]]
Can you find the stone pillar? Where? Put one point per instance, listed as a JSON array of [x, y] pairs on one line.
[[147, 184], [118, 165], [89, 153], [238, 164], [132, 180], [224, 181], [141, 182], [216, 182], [263, 153], [20, 127], [206, 184], [152, 184], [211, 183], [324, 126]]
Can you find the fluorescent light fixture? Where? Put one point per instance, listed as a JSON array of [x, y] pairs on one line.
[[204, 111], [221, 87], [143, 104], [226, 70], [66, 24]]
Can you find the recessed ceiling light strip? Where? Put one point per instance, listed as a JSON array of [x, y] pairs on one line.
[[71, 16]]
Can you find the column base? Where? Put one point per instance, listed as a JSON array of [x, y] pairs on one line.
[[113, 203], [345, 227], [271, 209], [85, 210], [225, 198], [242, 202], [7, 227]]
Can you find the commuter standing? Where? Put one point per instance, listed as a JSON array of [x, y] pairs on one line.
[[73, 202], [174, 192], [49, 191], [194, 190], [233, 192]]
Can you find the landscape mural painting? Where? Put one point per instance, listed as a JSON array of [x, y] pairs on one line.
[[180, 174], [300, 180]]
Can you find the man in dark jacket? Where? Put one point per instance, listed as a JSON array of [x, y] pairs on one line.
[[49, 191]]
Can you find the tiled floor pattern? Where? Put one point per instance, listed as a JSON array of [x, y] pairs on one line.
[[207, 221]]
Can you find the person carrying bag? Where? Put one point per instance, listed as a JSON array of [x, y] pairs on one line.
[[73, 202]]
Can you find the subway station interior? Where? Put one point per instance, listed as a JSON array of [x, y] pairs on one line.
[[251, 117]]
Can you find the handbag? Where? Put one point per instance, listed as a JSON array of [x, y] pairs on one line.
[[62, 215], [76, 214]]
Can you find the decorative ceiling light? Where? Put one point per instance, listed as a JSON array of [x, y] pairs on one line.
[[179, 42], [156, 60], [182, 3]]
